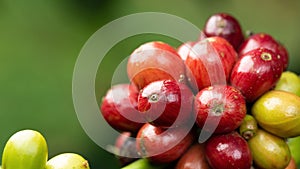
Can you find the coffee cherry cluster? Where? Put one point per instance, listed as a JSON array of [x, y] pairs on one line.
[[222, 102], [27, 149]]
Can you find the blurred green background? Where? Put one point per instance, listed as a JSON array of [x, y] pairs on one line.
[[41, 39]]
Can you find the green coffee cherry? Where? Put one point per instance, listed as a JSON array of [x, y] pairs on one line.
[[144, 163], [248, 128], [67, 161], [26, 149], [294, 145], [278, 112], [289, 82], [269, 151]]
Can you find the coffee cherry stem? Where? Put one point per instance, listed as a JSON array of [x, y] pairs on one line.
[[144, 163], [249, 33], [248, 128]]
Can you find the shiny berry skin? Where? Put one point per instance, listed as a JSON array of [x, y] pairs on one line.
[[266, 41], [184, 49], [163, 145], [222, 108], [126, 150], [228, 151], [162, 102], [204, 60], [193, 158], [154, 61], [256, 72], [119, 108], [25, 149], [225, 26]]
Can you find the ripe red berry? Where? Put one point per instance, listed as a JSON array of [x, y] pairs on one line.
[[166, 103], [225, 26], [125, 148], [154, 61], [163, 145], [265, 40], [184, 49], [256, 72], [193, 158], [119, 108], [228, 151], [221, 108], [210, 61]]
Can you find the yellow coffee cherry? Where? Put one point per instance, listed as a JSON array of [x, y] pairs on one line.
[[26, 149], [67, 161]]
